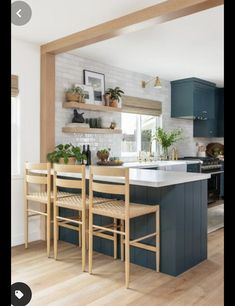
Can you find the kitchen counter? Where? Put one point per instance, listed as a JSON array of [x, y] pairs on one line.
[[160, 163], [182, 197], [152, 178]]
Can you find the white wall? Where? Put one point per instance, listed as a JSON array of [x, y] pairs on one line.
[[25, 59], [69, 70]]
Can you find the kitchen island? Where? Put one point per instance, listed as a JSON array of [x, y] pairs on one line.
[[182, 198]]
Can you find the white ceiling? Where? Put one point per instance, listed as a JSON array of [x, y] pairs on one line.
[[191, 46]]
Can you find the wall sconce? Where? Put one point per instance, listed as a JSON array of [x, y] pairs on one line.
[[157, 83]]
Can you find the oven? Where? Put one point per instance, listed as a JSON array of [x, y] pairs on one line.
[[213, 184]]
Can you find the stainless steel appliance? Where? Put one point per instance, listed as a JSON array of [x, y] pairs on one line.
[[213, 166]]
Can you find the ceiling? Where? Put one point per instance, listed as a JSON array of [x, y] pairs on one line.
[[191, 46]]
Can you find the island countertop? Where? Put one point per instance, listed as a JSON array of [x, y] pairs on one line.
[[148, 178]]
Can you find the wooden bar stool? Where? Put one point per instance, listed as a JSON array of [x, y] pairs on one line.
[[39, 174], [75, 201], [119, 209]]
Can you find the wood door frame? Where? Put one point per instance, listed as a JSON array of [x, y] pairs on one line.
[[146, 17]]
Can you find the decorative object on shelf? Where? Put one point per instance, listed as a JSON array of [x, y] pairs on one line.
[[106, 99], [75, 93], [157, 83], [88, 93], [114, 96], [66, 154], [78, 117], [166, 139], [97, 81], [113, 125], [103, 154]]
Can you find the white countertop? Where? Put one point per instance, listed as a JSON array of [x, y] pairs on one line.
[[160, 163], [151, 178]]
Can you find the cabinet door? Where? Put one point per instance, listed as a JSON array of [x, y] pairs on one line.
[[220, 112], [182, 99], [204, 101], [204, 128]]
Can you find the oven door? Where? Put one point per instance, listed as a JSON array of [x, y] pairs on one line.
[[213, 187]]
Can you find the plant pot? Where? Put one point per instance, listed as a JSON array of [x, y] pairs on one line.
[[71, 161], [73, 97], [102, 156], [113, 103]]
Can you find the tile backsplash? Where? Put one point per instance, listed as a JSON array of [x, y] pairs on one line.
[[69, 70]]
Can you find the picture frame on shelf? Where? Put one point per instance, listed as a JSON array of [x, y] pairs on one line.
[[89, 93], [97, 81]]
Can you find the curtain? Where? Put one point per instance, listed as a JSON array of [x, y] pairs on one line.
[[14, 86], [141, 106]]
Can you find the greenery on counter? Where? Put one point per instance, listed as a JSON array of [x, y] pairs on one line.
[[66, 151], [166, 139]]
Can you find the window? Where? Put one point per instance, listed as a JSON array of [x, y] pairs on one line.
[[15, 136], [137, 133]]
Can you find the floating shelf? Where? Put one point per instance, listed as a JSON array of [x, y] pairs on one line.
[[92, 107], [90, 130]]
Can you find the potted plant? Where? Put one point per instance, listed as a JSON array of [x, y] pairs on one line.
[[75, 93], [103, 154], [166, 139], [114, 96], [66, 154]]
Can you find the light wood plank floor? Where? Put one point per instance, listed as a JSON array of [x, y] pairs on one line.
[[61, 283]]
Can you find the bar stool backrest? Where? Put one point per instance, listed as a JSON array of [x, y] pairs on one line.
[[32, 177], [97, 174], [60, 169]]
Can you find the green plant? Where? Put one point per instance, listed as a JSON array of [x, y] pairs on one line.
[[76, 90], [65, 151], [166, 139], [115, 93]]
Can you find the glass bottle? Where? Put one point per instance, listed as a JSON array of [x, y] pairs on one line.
[[88, 155], [84, 161]]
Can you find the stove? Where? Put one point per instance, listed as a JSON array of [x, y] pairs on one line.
[[208, 165], [213, 166]]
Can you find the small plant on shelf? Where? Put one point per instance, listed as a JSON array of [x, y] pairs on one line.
[[66, 154], [75, 93], [114, 96]]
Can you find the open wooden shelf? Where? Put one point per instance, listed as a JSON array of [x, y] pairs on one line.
[[92, 107], [90, 130]]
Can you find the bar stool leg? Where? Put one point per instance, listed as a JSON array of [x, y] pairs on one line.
[[80, 231], [127, 251], [26, 224], [55, 231], [158, 240], [115, 239], [48, 228], [83, 229], [122, 244], [90, 240]]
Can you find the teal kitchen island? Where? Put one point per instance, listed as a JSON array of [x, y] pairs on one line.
[[182, 197]]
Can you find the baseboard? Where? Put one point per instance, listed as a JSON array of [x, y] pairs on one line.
[[19, 239]]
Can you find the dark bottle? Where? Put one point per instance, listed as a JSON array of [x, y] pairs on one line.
[[84, 153], [88, 155]]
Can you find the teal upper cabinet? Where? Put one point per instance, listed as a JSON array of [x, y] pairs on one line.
[[219, 104], [193, 98]]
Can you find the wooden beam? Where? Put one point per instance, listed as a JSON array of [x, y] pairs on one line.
[[47, 112], [149, 16]]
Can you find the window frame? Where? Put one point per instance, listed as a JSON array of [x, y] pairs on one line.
[[158, 122]]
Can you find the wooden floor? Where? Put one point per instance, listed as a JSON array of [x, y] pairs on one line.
[[61, 283]]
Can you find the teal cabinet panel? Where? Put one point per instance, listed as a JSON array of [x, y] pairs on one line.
[[220, 111], [205, 128], [192, 98], [193, 167]]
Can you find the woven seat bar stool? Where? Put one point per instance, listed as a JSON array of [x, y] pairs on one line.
[[121, 210], [39, 174], [76, 202]]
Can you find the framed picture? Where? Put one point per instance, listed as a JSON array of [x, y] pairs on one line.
[[97, 81], [89, 93]]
